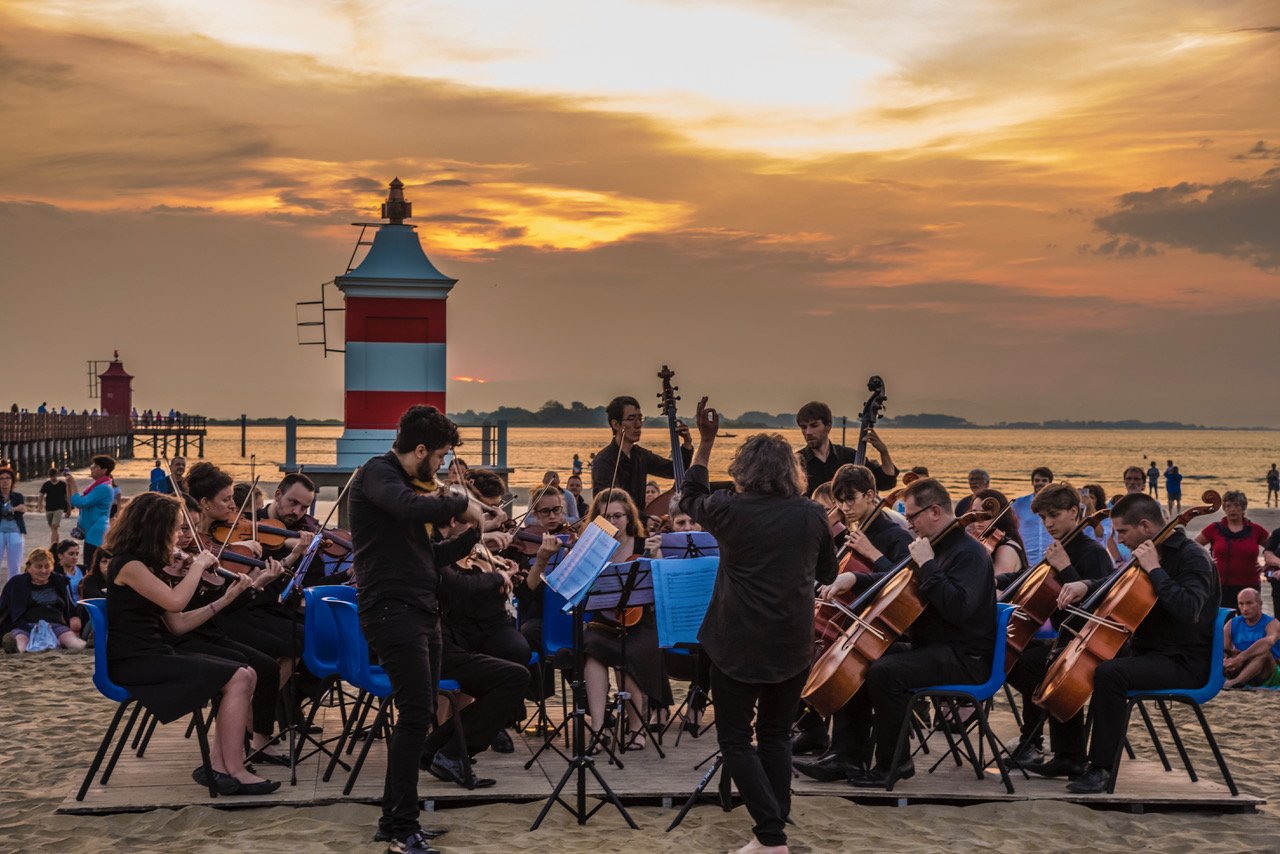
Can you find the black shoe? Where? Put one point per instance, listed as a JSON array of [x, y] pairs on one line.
[[878, 778], [1055, 767], [693, 729], [810, 742], [1092, 782], [381, 835], [502, 742], [272, 759], [1027, 753], [224, 783], [829, 769], [415, 843], [450, 770], [262, 787]]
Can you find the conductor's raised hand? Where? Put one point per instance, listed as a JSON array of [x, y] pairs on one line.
[[708, 422]]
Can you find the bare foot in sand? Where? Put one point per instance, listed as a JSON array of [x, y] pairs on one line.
[[754, 847]]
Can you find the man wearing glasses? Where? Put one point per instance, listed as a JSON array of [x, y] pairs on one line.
[[626, 465], [951, 642]]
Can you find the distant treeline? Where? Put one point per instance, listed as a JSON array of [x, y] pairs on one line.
[[553, 413]]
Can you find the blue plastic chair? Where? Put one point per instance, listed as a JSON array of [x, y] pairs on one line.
[[1195, 698], [97, 610], [978, 695], [355, 669]]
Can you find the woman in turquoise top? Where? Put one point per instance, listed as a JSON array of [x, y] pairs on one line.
[[94, 503]]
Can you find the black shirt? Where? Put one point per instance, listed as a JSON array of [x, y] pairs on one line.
[[55, 495], [819, 472], [959, 589], [633, 470], [471, 599], [759, 626], [395, 559]]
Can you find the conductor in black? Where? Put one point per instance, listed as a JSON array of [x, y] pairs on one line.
[[392, 521], [758, 631]]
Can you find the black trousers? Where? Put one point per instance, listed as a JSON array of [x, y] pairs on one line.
[[1113, 679], [762, 772], [500, 640], [407, 643], [891, 679], [1066, 740], [498, 686]]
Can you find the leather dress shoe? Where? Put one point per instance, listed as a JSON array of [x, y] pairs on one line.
[[415, 843], [450, 770], [225, 783], [878, 778], [1055, 767], [1027, 753], [502, 742], [381, 835], [1092, 782], [262, 787], [810, 741], [829, 768]]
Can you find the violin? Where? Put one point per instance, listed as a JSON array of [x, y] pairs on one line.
[[660, 507], [528, 540], [335, 542], [1034, 594], [876, 620], [1112, 615]]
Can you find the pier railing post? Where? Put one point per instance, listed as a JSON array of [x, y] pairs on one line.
[[291, 442]]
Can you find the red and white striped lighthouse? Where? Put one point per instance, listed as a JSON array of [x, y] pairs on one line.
[[395, 334]]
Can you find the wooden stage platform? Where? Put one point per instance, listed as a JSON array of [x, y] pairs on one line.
[[162, 780]]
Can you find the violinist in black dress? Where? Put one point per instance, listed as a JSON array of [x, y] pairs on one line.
[[758, 631], [141, 609], [1171, 647]]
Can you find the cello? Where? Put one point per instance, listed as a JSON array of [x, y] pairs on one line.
[[878, 619], [660, 507], [1112, 614], [1034, 594]]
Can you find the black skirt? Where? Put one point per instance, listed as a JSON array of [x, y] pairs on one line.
[[171, 686], [643, 657]]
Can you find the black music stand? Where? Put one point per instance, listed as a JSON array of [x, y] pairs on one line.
[[582, 762], [618, 587]]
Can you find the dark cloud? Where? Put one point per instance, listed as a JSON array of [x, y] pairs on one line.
[[1118, 248], [1260, 151], [462, 219], [1235, 218], [30, 72], [360, 184], [449, 182], [298, 200]]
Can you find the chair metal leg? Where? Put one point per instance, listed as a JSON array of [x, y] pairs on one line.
[[1155, 737], [1177, 740], [124, 736], [459, 736], [1115, 762], [378, 721], [1213, 745], [202, 735], [984, 729], [358, 730], [146, 739], [968, 745], [1013, 706], [142, 728], [102, 749], [349, 724]]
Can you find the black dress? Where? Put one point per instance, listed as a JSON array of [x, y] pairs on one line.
[[644, 661], [168, 684]]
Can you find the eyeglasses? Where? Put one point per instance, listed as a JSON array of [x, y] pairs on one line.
[[634, 419], [911, 517], [549, 511], [616, 517]]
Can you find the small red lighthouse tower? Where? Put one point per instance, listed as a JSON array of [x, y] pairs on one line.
[[116, 388]]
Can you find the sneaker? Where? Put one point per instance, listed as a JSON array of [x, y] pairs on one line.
[[414, 843]]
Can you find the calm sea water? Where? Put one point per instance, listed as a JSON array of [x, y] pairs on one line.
[[1217, 459]]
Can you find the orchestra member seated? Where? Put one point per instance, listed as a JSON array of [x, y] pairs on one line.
[[1170, 647], [1251, 645], [952, 641], [1059, 507], [644, 676], [1004, 540]]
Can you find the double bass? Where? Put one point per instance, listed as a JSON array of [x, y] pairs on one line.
[[1112, 614], [1034, 595], [872, 409], [878, 619], [660, 507]]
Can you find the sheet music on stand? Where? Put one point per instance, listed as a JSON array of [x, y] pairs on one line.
[[682, 593], [300, 570], [686, 544], [574, 575], [632, 577]]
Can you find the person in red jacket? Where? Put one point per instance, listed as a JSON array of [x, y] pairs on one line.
[[1235, 543]]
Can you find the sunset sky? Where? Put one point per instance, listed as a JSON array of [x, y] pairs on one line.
[[1010, 210]]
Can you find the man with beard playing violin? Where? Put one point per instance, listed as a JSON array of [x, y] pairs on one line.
[[396, 572], [877, 548], [952, 641], [1083, 559], [1171, 646]]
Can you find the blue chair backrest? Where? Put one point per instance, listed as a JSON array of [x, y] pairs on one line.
[[557, 624], [1216, 676], [353, 649], [97, 609], [987, 690], [320, 646]]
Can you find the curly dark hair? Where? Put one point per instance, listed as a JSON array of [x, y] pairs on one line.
[[144, 529]]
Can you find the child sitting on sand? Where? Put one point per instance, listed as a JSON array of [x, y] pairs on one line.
[[38, 594]]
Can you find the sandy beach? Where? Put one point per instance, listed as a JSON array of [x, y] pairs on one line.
[[52, 719]]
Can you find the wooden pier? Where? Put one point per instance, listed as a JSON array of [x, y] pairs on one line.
[[162, 780], [33, 442]]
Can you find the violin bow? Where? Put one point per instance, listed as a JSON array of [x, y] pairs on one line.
[[253, 473], [239, 513]]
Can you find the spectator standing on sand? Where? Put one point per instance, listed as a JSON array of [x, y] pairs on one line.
[[1273, 485], [1235, 543], [1153, 481], [54, 504], [1173, 489], [94, 503], [13, 527]]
